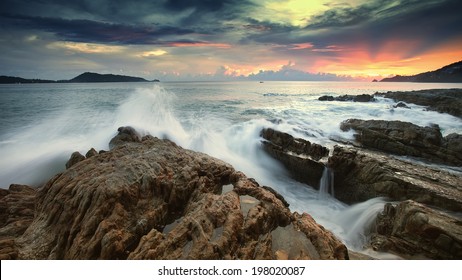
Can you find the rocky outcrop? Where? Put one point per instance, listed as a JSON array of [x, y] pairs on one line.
[[346, 97], [299, 156], [414, 230], [441, 100], [361, 175], [17, 205], [125, 134], [75, 158], [403, 138], [150, 199]]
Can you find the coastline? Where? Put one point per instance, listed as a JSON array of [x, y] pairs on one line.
[[424, 225]]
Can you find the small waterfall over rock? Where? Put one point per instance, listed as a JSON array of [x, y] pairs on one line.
[[326, 183]]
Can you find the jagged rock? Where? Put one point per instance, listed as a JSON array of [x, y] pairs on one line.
[[126, 134], [154, 200], [91, 152], [75, 158], [299, 156], [16, 213], [416, 231], [361, 175], [401, 105], [346, 97], [404, 138], [440, 100]]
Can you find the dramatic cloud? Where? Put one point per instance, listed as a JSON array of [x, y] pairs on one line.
[[240, 38]]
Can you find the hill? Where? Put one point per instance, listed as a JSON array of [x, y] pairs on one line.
[[86, 77], [448, 74], [17, 80], [89, 77]]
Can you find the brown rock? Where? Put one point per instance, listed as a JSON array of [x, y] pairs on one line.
[[416, 231], [17, 205], [155, 200], [126, 134], [91, 152], [75, 158]]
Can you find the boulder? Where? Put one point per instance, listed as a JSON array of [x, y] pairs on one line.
[[404, 138], [151, 199], [361, 174], [413, 230], [299, 156], [125, 134], [91, 152], [75, 158]]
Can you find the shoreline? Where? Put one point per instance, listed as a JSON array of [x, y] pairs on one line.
[[384, 239]]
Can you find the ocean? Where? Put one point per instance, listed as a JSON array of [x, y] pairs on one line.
[[42, 124]]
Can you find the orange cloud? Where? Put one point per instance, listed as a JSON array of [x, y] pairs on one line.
[[393, 58]]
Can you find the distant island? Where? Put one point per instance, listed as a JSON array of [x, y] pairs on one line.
[[86, 77], [448, 74]]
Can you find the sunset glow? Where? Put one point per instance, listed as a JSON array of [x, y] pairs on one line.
[[175, 40]]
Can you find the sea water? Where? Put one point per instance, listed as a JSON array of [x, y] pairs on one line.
[[42, 124]]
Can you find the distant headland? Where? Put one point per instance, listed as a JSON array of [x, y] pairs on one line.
[[86, 77], [451, 73]]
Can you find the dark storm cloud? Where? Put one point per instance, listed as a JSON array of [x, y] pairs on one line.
[[79, 30], [126, 22], [373, 23]]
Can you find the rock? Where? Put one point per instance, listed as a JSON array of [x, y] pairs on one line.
[[16, 213], [361, 175], [151, 199], [126, 134], [453, 142], [404, 138], [326, 98], [413, 230], [91, 152], [401, 105], [75, 158], [441, 100], [299, 156], [346, 97]]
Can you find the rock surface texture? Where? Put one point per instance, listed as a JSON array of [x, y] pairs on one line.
[[150, 199], [407, 139], [417, 231], [299, 156], [443, 100], [17, 206], [361, 175]]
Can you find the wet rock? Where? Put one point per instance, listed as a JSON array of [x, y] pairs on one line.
[[413, 230], [299, 156], [361, 175], [75, 158], [326, 98], [440, 100], [401, 105], [154, 200], [346, 97], [126, 134], [404, 138]]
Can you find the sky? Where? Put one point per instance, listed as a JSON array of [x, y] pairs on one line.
[[187, 40]]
